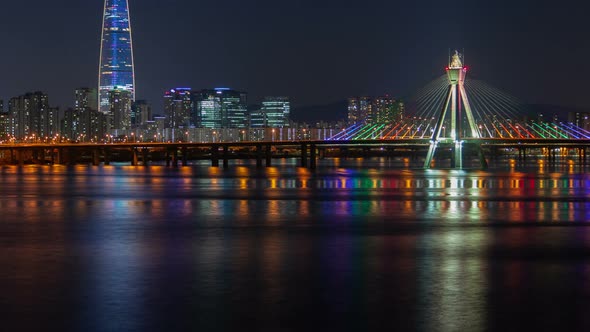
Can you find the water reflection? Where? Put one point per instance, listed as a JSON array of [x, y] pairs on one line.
[[453, 284], [345, 248]]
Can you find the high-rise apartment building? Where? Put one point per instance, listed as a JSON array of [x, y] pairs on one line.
[[179, 108], [360, 110], [84, 122], [368, 110], [6, 126], [116, 70], [71, 124], [353, 111], [119, 116], [387, 109], [32, 116], [85, 99]]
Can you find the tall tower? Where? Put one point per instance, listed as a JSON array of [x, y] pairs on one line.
[[116, 70], [456, 99]]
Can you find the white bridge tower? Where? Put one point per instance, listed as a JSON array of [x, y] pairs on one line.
[[456, 100]]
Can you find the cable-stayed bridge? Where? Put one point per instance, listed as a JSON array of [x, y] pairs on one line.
[[497, 115], [452, 111]]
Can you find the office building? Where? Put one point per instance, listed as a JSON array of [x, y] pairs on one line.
[[141, 113], [273, 113], [222, 108]]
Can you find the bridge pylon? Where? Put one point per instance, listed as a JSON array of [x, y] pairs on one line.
[[456, 100]]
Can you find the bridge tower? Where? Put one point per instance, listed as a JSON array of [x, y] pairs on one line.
[[456, 100]]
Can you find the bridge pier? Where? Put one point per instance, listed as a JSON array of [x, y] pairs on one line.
[[71, 153], [225, 156], [303, 155], [133, 157], [268, 155], [184, 156], [482, 158], [35, 156], [522, 155], [144, 156], [312, 156], [20, 158], [215, 156], [59, 157], [550, 153], [258, 155], [167, 157], [95, 157], [43, 161], [107, 156]]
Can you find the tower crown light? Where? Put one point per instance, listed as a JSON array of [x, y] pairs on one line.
[[456, 61]]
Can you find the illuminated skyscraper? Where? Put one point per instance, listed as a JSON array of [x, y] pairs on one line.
[[116, 71]]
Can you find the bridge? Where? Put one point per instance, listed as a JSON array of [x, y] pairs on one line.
[[477, 150], [452, 112]]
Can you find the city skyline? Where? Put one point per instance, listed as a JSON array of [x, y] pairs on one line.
[[314, 53]]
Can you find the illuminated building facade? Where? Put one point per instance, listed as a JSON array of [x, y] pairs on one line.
[[32, 116], [370, 110], [179, 108], [85, 99], [116, 70], [353, 111], [119, 116], [274, 113], [209, 109], [141, 113], [222, 108], [6, 126], [83, 122]]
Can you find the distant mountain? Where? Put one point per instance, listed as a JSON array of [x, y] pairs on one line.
[[327, 112], [339, 111], [548, 111]]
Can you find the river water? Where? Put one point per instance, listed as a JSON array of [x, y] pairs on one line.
[[354, 245]]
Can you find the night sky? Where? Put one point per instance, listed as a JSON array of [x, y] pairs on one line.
[[315, 51]]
